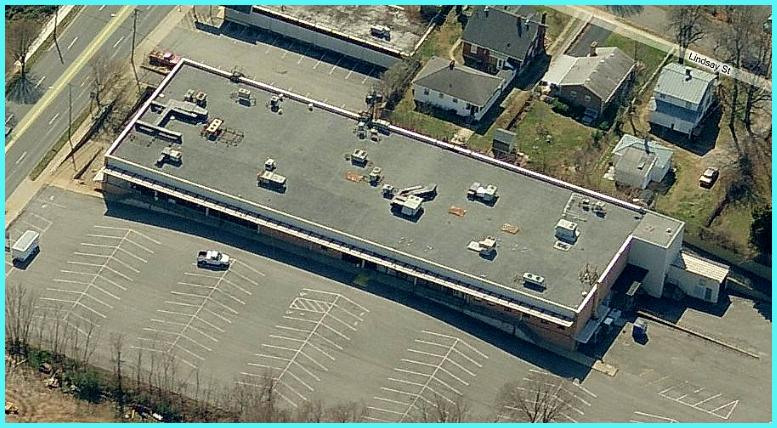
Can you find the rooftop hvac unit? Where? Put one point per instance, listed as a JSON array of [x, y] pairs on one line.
[[375, 175], [387, 190], [485, 193], [567, 231], [169, 155], [407, 205], [271, 179], [533, 279], [484, 247], [243, 94], [201, 98], [269, 165], [359, 157], [189, 95]]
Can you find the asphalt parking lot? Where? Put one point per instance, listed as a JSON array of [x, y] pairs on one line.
[[131, 272], [278, 61]]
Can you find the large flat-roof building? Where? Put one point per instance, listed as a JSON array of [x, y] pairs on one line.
[[511, 246]]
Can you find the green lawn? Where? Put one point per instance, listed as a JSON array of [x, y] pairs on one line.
[[567, 137], [441, 39], [649, 56]]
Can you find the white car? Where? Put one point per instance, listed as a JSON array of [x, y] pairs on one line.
[[213, 259]]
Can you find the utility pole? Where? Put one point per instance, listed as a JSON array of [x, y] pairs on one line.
[[132, 54], [70, 125], [56, 41]]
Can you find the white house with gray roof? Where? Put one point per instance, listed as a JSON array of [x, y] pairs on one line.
[[638, 161], [682, 98], [468, 92]]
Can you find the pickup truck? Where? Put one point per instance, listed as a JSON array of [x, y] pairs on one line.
[[213, 259]]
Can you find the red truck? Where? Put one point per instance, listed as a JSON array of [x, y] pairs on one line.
[[163, 59]]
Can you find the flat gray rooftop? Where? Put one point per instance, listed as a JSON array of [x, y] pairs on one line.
[[310, 148], [405, 22]]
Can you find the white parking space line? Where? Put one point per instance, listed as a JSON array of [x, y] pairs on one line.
[[439, 366], [95, 280], [335, 66], [203, 314], [319, 61], [301, 342], [652, 418]]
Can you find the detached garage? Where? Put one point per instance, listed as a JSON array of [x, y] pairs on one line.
[[698, 277]]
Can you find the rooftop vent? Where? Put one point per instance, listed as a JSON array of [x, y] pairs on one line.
[[375, 175], [688, 73]]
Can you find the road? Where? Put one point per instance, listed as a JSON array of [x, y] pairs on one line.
[[93, 32]]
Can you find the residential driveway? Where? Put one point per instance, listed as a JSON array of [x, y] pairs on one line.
[[592, 33]]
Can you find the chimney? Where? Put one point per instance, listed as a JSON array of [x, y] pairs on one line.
[[544, 16], [592, 52], [452, 64], [688, 73], [520, 25]]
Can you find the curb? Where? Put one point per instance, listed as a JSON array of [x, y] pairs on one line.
[[697, 334]]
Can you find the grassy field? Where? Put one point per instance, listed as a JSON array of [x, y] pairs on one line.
[[567, 136], [647, 55], [441, 39]]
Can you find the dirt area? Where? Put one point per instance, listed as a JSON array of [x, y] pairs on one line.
[[405, 22], [35, 402]]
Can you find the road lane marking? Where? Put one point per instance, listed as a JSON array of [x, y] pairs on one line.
[[40, 81], [21, 158], [117, 43], [53, 118], [101, 7], [72, 43]]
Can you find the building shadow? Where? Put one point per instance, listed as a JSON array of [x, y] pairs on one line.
[[699, 145], [342, 271], [673, 310]]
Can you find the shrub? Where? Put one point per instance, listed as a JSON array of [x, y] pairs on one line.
[[560, 107]]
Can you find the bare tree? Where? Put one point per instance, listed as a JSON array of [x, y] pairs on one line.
[[256, 400], [442, 409], [735, 43], [106, 75], [19, 318], [309, 411], [346, 412], [758, 61], [21, 34], [540, 398], [117, 343], [687, 26]]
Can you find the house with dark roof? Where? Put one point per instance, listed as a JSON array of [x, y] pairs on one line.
[[682, 98], [592, 82], [502, 38], [468, 92], [638, 161]]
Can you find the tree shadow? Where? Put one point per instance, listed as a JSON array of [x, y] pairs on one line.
[[625, 11], [24, 90]]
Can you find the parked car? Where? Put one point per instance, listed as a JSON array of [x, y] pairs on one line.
[[710, 176], [213, 259]]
